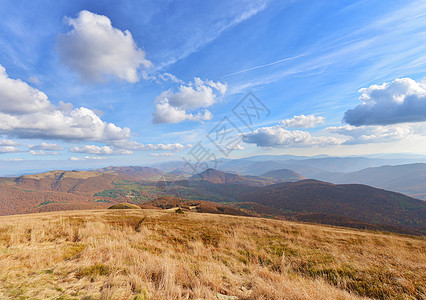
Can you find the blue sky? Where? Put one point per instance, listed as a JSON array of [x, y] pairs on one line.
[[91, 83]]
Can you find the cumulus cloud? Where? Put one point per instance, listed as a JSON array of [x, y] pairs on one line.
[[166, 113], [234, 147], [77, 124], [8, 143], [12, 159], [400, 101], [17, 97], [86, 158], [9, 149], [277, 136], [41, 152], [173, 107], [162, 154], [372, 134], [302, 121], [46, 146], [33, 116], [167, 147], [135, 146], [95, 49], [105, 150]]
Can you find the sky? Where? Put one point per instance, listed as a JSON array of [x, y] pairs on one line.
[[85, 84]]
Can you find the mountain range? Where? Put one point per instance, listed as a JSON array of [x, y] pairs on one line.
[[403, 174], [279, 193], [362, 202], [271, 177], [409, 179]]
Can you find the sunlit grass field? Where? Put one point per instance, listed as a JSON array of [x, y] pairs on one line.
[[153, 254]]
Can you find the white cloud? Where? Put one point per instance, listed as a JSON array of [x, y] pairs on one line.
[[17, 97], [277, 136], [33, 116], [86, 158], [12, 159], [77, 124], [105, 150], [41, 152], [201, 29], [173, 107], [34, 80], [372, 134], [400, 101], [95, 49], [9, 149], [162, 154], [169, 77], [234, 147], [168, 147], [302, 121], [8, 143], [132, 145], [165, 113], [46, 146]]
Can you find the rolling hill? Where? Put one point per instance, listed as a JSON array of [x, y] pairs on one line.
[[54, 191], [352, 205], [74, 182], [283, 175], [133, 173], [218, 177], [194, 205]]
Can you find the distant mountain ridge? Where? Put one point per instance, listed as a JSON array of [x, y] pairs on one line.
[[284, 175], [307, 166], [307, 199], [218, 177], [362, 202], [409, 179], [133, 173], [74, 182]]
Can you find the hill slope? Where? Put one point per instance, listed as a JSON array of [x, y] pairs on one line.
[[74, 182], [151, 254], [54, 190], [133, 173], [362, 202], [283, 175], [218, 177]]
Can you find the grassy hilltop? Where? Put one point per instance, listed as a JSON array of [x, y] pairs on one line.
[[153, 254]]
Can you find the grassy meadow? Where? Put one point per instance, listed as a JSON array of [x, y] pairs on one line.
[[154, 254]]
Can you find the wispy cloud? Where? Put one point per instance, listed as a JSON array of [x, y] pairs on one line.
[[214, 30], [265, 65], [374, 43]]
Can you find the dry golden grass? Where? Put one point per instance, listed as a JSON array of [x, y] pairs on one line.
[[124, 205], [151, 254]]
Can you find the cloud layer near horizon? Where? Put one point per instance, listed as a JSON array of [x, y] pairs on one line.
[[277, 136]]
